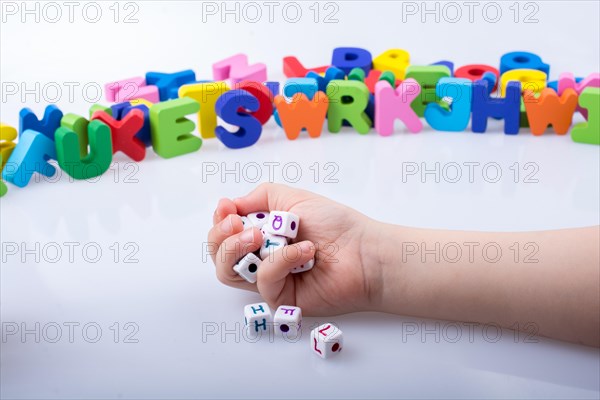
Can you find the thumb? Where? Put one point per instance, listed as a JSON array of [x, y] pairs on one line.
[[274, 281]]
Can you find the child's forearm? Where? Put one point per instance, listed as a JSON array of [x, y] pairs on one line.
[[547, 278]]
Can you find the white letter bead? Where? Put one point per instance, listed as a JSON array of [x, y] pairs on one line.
[[258, 319], [304, 267], [247, 267], [283, 224], [287, 322], [247, 223], [271, 243], [326, 340], [258, 219]]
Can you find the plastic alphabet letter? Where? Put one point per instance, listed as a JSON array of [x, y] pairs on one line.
[[30, 155], [91, 165], [171, 131], [392, 104]]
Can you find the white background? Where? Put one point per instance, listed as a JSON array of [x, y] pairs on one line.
[[164, 207]]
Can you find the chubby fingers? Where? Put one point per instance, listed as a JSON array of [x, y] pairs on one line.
[[230, 225], [224, 208], [231, 251], [274, 280]]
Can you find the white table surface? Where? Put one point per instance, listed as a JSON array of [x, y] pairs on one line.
[[162, 210]]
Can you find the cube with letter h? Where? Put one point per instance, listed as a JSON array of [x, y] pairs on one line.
[[288, 322], [258, 319], [326, 340]]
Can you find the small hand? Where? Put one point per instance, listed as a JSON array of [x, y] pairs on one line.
[[344, 278]]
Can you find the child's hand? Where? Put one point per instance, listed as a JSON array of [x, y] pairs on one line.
[[345, 277]]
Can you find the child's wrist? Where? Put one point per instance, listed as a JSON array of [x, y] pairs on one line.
[[382, 261]]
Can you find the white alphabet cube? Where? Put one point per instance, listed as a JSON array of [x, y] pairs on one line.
[[247, 267], [271, 243], [287, 321], [304, 267], [326, 340], [282, 223], [258, 319], [247, 223], [258, 219]]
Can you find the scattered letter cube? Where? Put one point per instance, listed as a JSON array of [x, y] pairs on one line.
[[247, 267], [282, 223], [287, 321], [326, 340], [304, 267], [258, 219], [258, 319], [272, 243]]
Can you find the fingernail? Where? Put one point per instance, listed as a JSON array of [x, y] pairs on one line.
[[226, 225], [305, 247], [247, 236]]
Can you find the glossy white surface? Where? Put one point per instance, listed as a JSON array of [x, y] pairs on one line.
[[159, 212]]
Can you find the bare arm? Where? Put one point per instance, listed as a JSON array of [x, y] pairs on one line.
[[558, 288]]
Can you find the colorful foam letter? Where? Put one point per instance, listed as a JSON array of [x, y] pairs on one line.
[[236, 69], [357, 74], [79, 125], [395, 60], [522, 60], [30, 155], [171, 131], [531, 79], [554, 84], [144, 134], [331, 74], [168, 84], [293, 68], [348, 101], [228, 108], [475, 72], [549, 109], [446, 63], [264, 97], [301, 113], [137, 102], [205, 94], [348, 58], [91, 165], [457, 119], [566, 81], [100, 107], [427, 76], [483, 106], [307, 86], [117, 109], [47, 125], [392, 104], [123, 133], [129, 89], [588, 132], [3, 188], [8, 134]]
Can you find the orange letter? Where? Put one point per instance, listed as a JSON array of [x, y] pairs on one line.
[[549, 109], [302, 113]]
